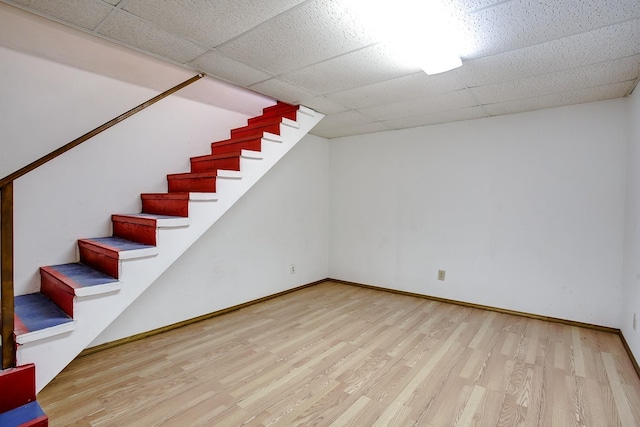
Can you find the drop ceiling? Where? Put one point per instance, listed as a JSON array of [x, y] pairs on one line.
[[518, 55]]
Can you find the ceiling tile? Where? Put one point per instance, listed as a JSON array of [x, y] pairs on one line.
[[519, 23], [343, 119], [473, 5], [582, 49], [315, 31], [427, 104], [437, 117], [362, 67], [135, 32], [614, 71], [208, 22], [521, 54], [407, 87], [352, 130], [216, 64], [282, 90], [83, 13], [600, 93], [322, 105]]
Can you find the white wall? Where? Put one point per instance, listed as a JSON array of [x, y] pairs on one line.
[[246, 255], [524, 212], [631, 274]]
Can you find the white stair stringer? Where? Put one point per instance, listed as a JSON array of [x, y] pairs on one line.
[[92, 314]]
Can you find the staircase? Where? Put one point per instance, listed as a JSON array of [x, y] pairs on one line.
[[77, 301]]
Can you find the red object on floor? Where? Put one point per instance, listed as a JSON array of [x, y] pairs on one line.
[[18, 387]]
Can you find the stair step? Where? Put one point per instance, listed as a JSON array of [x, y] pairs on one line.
[[228, 161], [104, 253], [256, 130], [135, 236], [37, 317], [29, 415], [268, 126], [176, 204], [212, 162], [62, 283], [200, 182], [278, 109], [173, 204], [204, 182], [142, 228], [288, 113], [21, 381], [251, 142], [246, 143]]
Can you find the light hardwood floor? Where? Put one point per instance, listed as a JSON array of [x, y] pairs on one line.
[[338, 355]]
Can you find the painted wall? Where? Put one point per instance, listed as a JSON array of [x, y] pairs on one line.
[[524, 212], [631, 274], [247, 254]]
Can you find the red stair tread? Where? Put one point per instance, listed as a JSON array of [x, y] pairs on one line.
[[252, 142], [257, 135], [228, 161], [257, 129], [141, 227], [200, 182], [103, 253], [136, 229], [61, 283], [194, 175], [174, 204], [279, 106], [291, 114], [220, 156]]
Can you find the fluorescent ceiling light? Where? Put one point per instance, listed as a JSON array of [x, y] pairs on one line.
[[420, 32]]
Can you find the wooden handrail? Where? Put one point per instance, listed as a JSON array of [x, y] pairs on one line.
[[6, 222], [44, 159]]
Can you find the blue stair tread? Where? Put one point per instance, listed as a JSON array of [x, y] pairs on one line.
[[36, 312], [22, 414], [118, 243], [82, 274]]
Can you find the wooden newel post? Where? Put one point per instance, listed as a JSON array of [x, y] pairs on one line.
[[6, 276]]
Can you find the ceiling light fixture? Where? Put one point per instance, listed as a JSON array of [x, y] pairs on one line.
[[420, 32]]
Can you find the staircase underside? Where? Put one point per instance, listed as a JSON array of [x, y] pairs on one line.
[[78, 300]]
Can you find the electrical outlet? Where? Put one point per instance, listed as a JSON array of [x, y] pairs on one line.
[[441, 274], [292, 269], [635, 321]]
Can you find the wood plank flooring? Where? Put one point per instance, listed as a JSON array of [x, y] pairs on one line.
[[338, 355]]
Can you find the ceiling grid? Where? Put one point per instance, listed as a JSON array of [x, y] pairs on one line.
[[518, 55]]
